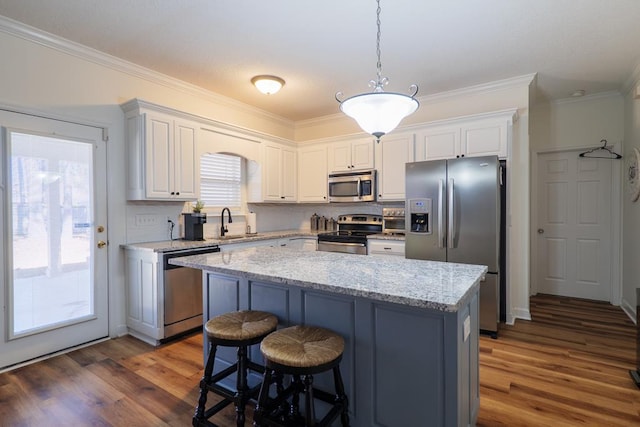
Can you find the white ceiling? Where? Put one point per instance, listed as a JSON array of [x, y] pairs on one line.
[[322, 47]]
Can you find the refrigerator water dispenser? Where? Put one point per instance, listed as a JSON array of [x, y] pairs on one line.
[[420, 216]]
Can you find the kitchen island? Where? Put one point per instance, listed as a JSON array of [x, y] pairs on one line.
[[410, 326]]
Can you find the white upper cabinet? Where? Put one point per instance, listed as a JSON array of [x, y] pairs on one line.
[[161, 156], [312, 174], [438, 143], [392, 153], [466, 137], [357, 154], [484, 139], [279, 173]]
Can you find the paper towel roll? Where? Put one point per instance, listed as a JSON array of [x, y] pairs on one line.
[[251, 223]]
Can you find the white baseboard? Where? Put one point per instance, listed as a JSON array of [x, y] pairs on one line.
[[121, 331], [518, 313], [629, 309]]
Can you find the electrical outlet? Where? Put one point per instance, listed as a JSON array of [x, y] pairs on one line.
[[146, 220]]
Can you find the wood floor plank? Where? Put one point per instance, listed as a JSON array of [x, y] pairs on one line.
[[147, 395]]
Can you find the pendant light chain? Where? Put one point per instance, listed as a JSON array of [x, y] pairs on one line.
[[379, 64], [379, 112]]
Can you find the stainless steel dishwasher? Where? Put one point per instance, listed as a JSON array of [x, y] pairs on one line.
[[183, 293]]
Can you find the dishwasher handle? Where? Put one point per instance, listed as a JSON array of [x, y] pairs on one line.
[[177, 254]]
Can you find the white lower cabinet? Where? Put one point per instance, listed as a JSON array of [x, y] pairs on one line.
[[385, 247], [144, 284]]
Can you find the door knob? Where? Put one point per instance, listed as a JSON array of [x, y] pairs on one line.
[[101, 244], [540, 231], [100, 229]]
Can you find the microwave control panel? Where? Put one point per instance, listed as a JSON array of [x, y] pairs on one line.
[[419, 216]]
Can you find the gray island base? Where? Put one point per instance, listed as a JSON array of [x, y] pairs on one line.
[[410, 326]]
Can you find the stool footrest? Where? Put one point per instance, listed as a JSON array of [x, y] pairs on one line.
[[223, 374]]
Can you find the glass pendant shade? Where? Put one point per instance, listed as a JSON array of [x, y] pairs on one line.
[[378, 113]]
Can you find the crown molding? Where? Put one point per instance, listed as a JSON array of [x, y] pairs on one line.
[[586, 98], [43, 38], [513, 82]]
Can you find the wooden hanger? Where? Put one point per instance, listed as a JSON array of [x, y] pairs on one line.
[[612, 154]]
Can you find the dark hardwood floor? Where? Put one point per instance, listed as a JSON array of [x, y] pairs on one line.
[[568, 366]]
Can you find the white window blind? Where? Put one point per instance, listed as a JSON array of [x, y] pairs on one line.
[[221, 180]]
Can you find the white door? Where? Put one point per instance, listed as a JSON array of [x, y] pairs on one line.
[[574, 243], [53, 229]]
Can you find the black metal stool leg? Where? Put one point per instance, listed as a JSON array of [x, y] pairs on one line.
[[241, 386], [198, 417], [309, 407], [294, 411], [341, 396], [263, 396]]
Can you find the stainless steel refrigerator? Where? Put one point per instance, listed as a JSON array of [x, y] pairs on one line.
[[453, 214]]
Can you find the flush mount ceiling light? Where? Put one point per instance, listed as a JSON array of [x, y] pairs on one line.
[[267, 84], [379, 112]]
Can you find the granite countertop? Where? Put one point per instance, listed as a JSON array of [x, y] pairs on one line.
[[426, 284], [177, 245]]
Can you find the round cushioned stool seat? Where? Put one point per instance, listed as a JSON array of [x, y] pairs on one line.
[[302, 346], [241, 325]]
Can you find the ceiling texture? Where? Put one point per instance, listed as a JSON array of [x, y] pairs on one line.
[[322, 47]]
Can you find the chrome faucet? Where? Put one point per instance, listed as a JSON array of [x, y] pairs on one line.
[[223, 229]]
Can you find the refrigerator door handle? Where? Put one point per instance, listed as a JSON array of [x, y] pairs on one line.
[[450, 206], [441, 242]]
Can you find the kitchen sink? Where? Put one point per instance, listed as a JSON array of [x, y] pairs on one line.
[[237, 236]]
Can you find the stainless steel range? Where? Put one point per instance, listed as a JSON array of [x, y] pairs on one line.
[[351, 237]]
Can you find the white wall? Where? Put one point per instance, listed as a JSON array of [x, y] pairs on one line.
[[630, 211], [579, 122]]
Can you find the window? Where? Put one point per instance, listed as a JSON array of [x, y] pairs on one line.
[[221, 180]]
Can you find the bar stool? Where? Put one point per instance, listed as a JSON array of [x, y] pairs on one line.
[[300, 351], [236, 329]]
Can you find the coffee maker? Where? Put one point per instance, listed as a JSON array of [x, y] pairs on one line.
[[193, 225]]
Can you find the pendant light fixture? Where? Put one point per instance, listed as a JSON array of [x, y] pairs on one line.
[[379, 112]]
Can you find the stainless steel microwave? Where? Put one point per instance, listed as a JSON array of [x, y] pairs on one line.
[[353, 186]]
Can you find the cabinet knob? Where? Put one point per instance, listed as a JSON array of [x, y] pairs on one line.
[[173, 193], [282, 197], [177, 193]]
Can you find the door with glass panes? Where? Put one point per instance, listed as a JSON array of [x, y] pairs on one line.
[[54, 234]]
